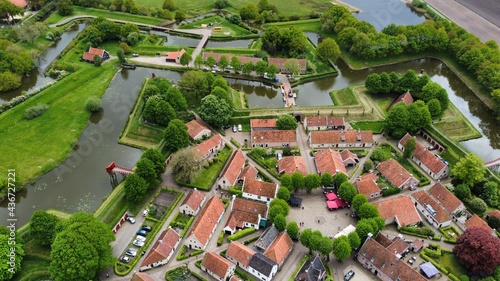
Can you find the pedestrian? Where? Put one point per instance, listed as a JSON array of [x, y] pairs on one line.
[[318, 221], [107, 275], [302, 207]]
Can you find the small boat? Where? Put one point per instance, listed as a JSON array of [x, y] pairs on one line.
[[129, 66], [283, 89]]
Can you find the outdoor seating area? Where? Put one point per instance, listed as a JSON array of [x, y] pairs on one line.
[[333, 202]]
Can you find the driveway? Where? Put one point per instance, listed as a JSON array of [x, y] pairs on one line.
[[360, 274], [305, 150]]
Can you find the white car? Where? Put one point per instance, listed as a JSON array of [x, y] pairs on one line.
[[145, 213], [131, 220], [140, 238], [138, 243], [240, 128], [131, 252]]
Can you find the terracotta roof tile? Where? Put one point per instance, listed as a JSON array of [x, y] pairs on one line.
[[207, 220], [243, 59], [346, 154], [194, 199], [19, 3], [235, 278], [175, 55], [400, 207], [280, 63], [246, 211], [321, 121], [495, 213], [290, 164], [329, 160], [425, 156], [141, 276], [445, 197], [216, 264], [240, 253], [195, 128], [368, 176], [204, 147], [267, 136], [397, 245], [333, 137], [92, 52], [263, 123], [162, 248], [406, 98], [281, 247], [424, 199], [260, 188], [476, 221], [394, 172], [367, 187], [249, 172], [234, 166]]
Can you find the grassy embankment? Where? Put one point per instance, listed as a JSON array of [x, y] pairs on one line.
[[229, 30], [145, 47]]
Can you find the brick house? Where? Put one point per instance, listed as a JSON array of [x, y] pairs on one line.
[[204, 227], [273, 138], [399, 209], [290, 164], [329, 160], [89, 56], [397, 175], [239, 254], [162, 250], [218, 267], [312, 270], [259, 190], [431, 210], [349, 158], [280, 64], [476, 222], [192, 203], [322, 123], [210, 147], [141, 276], [367, 186], [196, 130], [230, 175], [280, 248], [447, 199], [246, 214], [175, 56], [340, 139], [263, 124], [405, 98]]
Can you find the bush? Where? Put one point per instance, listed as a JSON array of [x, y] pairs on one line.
[[93, 104], [221, 238], [240, 234], [35, 111], [390, 191]]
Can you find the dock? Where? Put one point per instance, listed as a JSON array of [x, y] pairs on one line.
[[289, 96]]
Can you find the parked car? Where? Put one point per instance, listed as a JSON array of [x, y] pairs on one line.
[[142, 233], [131, 220], [135, 54], [145, 212], [125, 259], [138, 243], [349, 275], [235, 129], [146, 228], [240, 128], [131, 252]]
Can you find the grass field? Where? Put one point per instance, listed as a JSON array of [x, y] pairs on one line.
[[35, 262], [312, 25], [344, 97], [376, 126], [454, 125], [316, 65], [228, 28], [206, 177]]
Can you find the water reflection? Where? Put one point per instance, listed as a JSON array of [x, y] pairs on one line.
[[229, 44]]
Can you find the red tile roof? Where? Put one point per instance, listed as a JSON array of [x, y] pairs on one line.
[[347, 154], [141, 276], [425, 156], [397, 245], [235, 278], [367, 187], [162, 248], [216, 264], [240, 253], [406, 98], [279, 250], [217, 56], [290, 164], [207, 220], [368, 176], [89, 56], [424, 199], [234, 166], [495, 213], [175, 55], [449, 201], [476, 221], [351, 136], [249, 172], [204, 147], [400, 207], [260, 188], [246, 211], [263, 123], [324, 121], [388, 263], [394, 172], [19, 3], [194, 199], [195, 128], [274, 136], [329, 160], [280, 63]]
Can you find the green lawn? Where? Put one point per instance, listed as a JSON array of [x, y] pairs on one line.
[[344, 97], [451, 263], [312, 25], [228, 28], [36, 146], [206, 177], [35, 262], [454, 125], [316, 65], [376, 126]]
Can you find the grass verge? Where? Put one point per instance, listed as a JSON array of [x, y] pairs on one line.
[[228, 29], [207, 176], [376, 126], [344, 97], [455, 126]]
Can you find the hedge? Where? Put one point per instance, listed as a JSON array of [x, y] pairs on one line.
[[221, 238], [253, 239], [182, 256], [235, 191], [240, 234], [188, 225], [453, 277], [437, 265]]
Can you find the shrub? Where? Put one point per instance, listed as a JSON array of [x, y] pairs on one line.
[[35, 111], [93, 104], [221, 238], [240, 234]]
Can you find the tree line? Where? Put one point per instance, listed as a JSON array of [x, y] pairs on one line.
[[361, 39]]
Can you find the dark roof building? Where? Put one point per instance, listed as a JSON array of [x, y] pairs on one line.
[[312, 270], [266, 239], [263, 264]]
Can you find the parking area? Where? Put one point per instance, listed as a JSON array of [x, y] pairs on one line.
[[238, 136], [360, 274]]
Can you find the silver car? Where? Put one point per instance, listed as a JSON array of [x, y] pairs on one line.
[[131, 252], [138, 243]]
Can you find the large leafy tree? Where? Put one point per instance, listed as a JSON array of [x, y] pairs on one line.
[[168, 5], [282, 204], [280, 222], [286, 122], [354, 240], [312, 181], [341, 248], [476, 246], [367, 211], [176, 135], [286, 181], [215, 111], [260, 67], [235, 63], [328, 50], [396, 122], [283, 193], [146, 170], [297, 181], [358, 201], [420, 116], [469, 169], [195, 82], [221, 93], [186, 164], [347, 191], [135, 188], [410, 146], [64, 7], [292, 229], [325, 246], [339, 179], [293, 66], [43, 227], [477, 205], [157, 158], [164, 113], [223, 62], [248, 68], [326, 179], [175, 98], [185, 59], [9, 265]]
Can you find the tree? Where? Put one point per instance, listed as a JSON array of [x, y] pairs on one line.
[[368, 166], [477, 205], [328, 50], [469, 169], [8, 9], [168, 5], [474, 247], [180, 16], [128, 28], [135, 188], [223, 62], [434, 108], [347, 191], [373, 83], [164, 113], [312, 181], [367, 211], [363, 227], [221, 4], [272, 70], [186, 164], [235, 63], [420, 116], [81, 249], [176, 135], [64, 7], [283, 193], [326, 179], [157, 158], [149, 112], [282, 204], [185, 59], [396, 122], [175, 98], [222, 94], [36, 4], [410, 146], [247, 68], [293, 230], [286, 122], [293, 66], [42, 227], [249, 12], [195, 82], [354, 240], [280, 222], [10, 81], [339, 179], [210, 61], [146, 170], [97, 61], [286, 181], [358, 201], [121, 55], [260, 67], [297, 181], [11, 255], [493, 222], [219, 81], [215, 111], [305, 238], [198, 61], [341, 248], [433, 90], [490, 193], [93, 104], [462, 191]]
